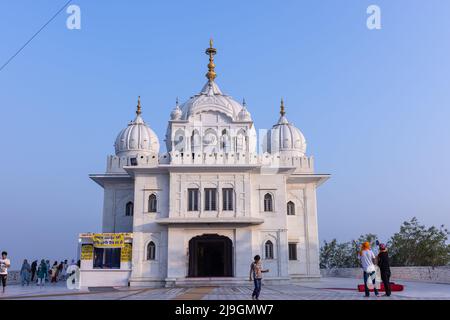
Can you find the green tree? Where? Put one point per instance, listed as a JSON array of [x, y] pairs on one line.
[[334, 255], [343, 255], [327, 254], [416, 245]]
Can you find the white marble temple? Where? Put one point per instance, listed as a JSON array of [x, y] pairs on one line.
[[200, 211]]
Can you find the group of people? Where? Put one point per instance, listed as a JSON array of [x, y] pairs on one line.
[[44, 272], [38, 273], [368, 264]]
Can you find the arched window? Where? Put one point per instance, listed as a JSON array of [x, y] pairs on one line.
[[178, 141], [268, 202], [290, 208], [129, 208], [268, 246], [225, 141], [151, 251], [210, 141], [195, 142], [241, 140], [152, 203]]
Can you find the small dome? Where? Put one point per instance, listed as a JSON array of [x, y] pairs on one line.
[[244, 115], [286, 138], [136, 138], [176, 113]]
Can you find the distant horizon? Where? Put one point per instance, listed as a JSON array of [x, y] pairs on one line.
[[372, 104]]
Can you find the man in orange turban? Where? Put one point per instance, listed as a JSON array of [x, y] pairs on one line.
[[367, 259]]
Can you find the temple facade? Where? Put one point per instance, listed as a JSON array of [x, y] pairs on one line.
[[200, 211]]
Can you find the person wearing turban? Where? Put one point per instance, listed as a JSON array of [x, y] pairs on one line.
[[367, 260]]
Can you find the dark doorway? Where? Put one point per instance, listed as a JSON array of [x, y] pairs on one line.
[[210, 255]]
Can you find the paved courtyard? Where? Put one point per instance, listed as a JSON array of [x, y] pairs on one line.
[[324, 289]]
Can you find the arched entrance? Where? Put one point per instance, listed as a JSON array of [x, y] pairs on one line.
[[210, 255]]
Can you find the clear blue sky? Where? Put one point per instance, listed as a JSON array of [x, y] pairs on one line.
[[373, 105]]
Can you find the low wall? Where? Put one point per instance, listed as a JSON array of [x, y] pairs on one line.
[[105, 278], [13, 277], [427, 274]]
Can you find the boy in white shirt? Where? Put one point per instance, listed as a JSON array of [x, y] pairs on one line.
[[4, 265]]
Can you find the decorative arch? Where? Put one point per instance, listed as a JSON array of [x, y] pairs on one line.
[[179, 143], [151, 248], [241, 141], [225, 141], [151, 251], [210, 141], [129, 209], [153, 203], [268, 202], [268, 250], [290, 208], [269, 247], [196, 143], [210, 255]]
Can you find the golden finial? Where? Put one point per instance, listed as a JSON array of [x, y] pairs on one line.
[[211, 52], [282, 112], [139, 109]]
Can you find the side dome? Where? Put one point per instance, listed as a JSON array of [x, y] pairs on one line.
[[285, 137], [176, 112], [136, 138], [244, 115]]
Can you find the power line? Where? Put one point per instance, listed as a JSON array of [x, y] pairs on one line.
[[34, 36]]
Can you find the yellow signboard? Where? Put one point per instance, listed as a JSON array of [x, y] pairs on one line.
[[108, 240], [87, 252], [126, 252]]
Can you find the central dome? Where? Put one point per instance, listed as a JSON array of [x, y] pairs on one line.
[[211, 98], [211, 121]]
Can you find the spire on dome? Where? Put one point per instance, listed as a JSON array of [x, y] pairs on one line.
[[282, 111], [211, 51], [139, 109]]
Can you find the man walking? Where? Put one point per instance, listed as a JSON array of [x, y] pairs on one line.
[[256, 272], [4, 265]]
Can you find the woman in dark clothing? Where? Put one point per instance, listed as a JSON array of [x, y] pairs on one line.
[[33, 270], [60, 269], [383, 263]]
